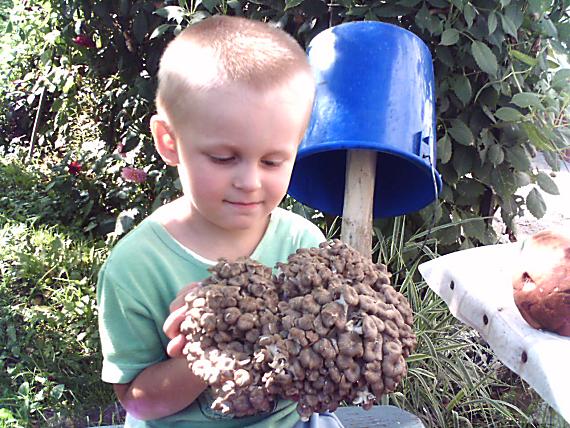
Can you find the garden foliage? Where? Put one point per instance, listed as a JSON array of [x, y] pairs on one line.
[[502, 79]]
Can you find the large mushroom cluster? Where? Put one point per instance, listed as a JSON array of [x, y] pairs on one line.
[[226, 317], [327, 328]]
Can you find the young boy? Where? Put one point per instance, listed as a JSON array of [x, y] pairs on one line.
[[233, 103]]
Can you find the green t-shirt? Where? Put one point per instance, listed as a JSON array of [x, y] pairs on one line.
[[137, 283]]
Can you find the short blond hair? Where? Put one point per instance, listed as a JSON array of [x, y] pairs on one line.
[[221, 50]]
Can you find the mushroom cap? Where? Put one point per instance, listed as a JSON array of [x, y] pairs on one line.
[[541, 281]]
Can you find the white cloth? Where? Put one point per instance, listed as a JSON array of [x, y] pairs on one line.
[[476, 284]]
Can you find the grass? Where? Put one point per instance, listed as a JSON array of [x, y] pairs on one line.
[[51, 358], [454, 379]]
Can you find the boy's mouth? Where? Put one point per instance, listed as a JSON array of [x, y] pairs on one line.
[[244, 204]]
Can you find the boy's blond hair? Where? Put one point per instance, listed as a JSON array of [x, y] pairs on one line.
[[222, 50]]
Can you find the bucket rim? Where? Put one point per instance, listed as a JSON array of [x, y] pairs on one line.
[[338, 145]]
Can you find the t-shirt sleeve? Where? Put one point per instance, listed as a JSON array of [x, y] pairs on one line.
[[129, 339]]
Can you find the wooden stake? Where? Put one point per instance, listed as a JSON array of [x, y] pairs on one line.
[[356, 229]]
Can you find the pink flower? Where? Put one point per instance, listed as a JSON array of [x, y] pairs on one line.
[[135, 175], [83, 40], [74, 168], [120, 148]]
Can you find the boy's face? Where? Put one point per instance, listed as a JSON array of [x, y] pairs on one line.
[[236, 151]]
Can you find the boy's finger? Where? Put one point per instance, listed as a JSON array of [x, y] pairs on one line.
[[175, 347], [171, 326], [179, 300]]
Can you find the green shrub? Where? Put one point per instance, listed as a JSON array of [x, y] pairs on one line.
[[50, 356], [502, 84]]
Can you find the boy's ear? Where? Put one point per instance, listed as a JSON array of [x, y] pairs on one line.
[[164, 140]]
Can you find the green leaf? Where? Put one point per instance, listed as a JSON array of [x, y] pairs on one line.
[[536, 137], [140, 27], [439, 3], [526, 99], [462, 88], [461, 133], [444, 55], [561, 78], [548, 28], [509, 26], [538, 6], [492, 22], [470, 187], [290, 4], [469, 13], [210, 5], [474, 228], [522, 57], [462, 160], [423, 18], [449, 37], [408, 3], [69, 82], [24, 388], [518, 157], [444, 149], [503, 180], [522, 178], [57, 391], [484, 57], [547, 184], [515, 14], [509, 208], [508, 114], [535, 204], [160, 30], [495, 154], [563, 31], [6, 415], [389, 11], [171, 13]]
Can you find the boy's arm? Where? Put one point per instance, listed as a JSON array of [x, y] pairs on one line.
[[167, 387], [160, 390]]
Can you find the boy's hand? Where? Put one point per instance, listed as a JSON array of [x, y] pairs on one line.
[[171, 326], [179, 299]]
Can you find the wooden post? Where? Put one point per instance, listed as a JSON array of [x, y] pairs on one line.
[[356, 229]]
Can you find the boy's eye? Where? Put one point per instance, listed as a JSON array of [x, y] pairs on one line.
[[221, 159], [269, 162]]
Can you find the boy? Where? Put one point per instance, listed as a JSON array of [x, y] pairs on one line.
[[233, 103]]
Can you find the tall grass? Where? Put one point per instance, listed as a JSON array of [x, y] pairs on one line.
[[454, 379]]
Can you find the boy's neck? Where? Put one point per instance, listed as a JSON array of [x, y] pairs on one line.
[[205, 238]]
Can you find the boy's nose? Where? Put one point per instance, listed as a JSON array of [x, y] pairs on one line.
[[248, 178]]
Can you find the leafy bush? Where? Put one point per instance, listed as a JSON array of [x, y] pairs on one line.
[[50, 356], [502, 92]]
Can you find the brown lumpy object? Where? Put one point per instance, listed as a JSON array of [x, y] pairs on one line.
[[541, 281], [355, 349], [224, 320], [328, 328]]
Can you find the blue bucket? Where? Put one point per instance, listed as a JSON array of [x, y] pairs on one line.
[[375, 91]]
